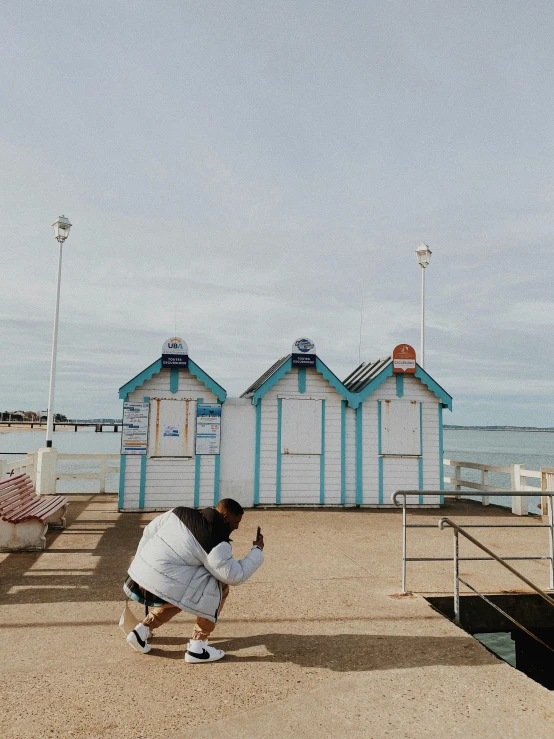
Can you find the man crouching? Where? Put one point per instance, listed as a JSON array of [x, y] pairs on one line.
[[184, 562]]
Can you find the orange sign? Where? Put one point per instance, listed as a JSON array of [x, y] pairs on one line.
[[404, 359]]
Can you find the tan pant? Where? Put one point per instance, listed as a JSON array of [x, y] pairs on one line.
[[159, 615]]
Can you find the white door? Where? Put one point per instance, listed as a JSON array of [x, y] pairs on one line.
[[301, 426], [400, 427], [172, 428]]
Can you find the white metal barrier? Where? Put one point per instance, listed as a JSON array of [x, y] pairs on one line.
[[108, 464], [518, 481]]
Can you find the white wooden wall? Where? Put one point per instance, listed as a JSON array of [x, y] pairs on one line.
[[170, 482], [399, 472], [300, 474]]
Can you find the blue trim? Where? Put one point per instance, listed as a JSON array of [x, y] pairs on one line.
[[174, 379], [197, 462], [359, 457], [426, 379], [272, 381], [343, 452], [301, 379], [146, 399], [351, 398], [147, 374], [156, 367], [217, 468], [436, 389], [142, 488], [441, 454], [399, 385], [379, 445], [420, 459], [279, 427], [376, 382], [257, 457], [122, 467], [322, 457], [379, 452], [333, 380], [381, 479], [207, 381]]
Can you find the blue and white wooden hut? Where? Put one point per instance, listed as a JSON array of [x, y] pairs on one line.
[[162, 468], [397, 430], [300, 440]]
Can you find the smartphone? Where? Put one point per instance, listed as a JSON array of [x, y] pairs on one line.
[[258, 533]]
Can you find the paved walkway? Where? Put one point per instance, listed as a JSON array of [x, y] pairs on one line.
[[318, 642]]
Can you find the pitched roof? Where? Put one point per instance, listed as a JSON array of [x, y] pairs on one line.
[[370, 375], [266, 375], [363, 374], [156, 367]]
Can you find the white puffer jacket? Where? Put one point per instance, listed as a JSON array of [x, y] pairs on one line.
[[171, 564]]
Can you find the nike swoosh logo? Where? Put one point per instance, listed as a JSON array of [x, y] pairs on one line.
[[204, 655], [140, 641]]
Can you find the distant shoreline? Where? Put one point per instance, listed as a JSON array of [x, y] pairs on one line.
[[530, 429]]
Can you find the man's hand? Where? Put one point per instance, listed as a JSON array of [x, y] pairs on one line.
[[259, 542]]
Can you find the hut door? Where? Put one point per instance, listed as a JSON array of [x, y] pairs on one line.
[[300, 451], [172, 427]]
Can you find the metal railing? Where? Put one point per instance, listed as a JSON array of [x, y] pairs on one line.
[[459, 531], [439, 493]]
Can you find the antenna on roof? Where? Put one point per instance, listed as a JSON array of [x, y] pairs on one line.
[[361, 323]]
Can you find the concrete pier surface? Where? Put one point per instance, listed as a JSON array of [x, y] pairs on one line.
[[318, 642]]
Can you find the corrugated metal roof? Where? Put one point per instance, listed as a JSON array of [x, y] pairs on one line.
[[362, 375], [260, 381]]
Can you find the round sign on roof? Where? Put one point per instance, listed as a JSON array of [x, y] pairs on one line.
[[303, 346], [175, 346], [404, 359], [303, 353]]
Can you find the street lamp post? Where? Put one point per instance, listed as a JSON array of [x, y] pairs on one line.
[[61, 232], [423, 254]]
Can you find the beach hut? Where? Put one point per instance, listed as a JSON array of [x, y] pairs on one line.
[[397, 428], [300, 433], [170, 434]]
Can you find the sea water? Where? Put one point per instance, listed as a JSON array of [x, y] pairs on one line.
[[533, 449]]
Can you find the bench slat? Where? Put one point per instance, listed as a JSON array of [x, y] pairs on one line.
[[19, 502], [42, 514]]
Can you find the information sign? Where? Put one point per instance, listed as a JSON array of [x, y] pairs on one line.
[[208, 428], [134, 429], [404, 359]]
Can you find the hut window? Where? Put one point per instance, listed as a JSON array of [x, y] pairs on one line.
[[172, 427], [301, 426], [400, 427]]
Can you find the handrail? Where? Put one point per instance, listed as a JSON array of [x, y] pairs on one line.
[[457, 579], [440, 493], [444, 521]]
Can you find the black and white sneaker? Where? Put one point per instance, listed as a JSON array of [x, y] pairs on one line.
[[199, 651], [137, 639]]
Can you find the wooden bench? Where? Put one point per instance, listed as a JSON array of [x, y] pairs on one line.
[[26, 516]]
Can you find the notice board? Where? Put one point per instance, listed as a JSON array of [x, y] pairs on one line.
[[134, 430], [208, 429]]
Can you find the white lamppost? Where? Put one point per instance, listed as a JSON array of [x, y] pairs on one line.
[[61, 232], [423, 254]]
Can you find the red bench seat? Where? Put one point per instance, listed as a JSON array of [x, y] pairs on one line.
[[19, 504]]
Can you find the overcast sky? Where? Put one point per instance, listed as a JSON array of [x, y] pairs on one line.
[[260, 166]]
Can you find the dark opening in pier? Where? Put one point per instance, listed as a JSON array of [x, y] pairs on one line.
[[501, 637]]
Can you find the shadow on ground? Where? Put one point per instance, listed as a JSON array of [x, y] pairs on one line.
[[344, 652], [106, 540]]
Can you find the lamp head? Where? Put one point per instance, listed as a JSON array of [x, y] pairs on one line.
[[423, 254], [61, 228]]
